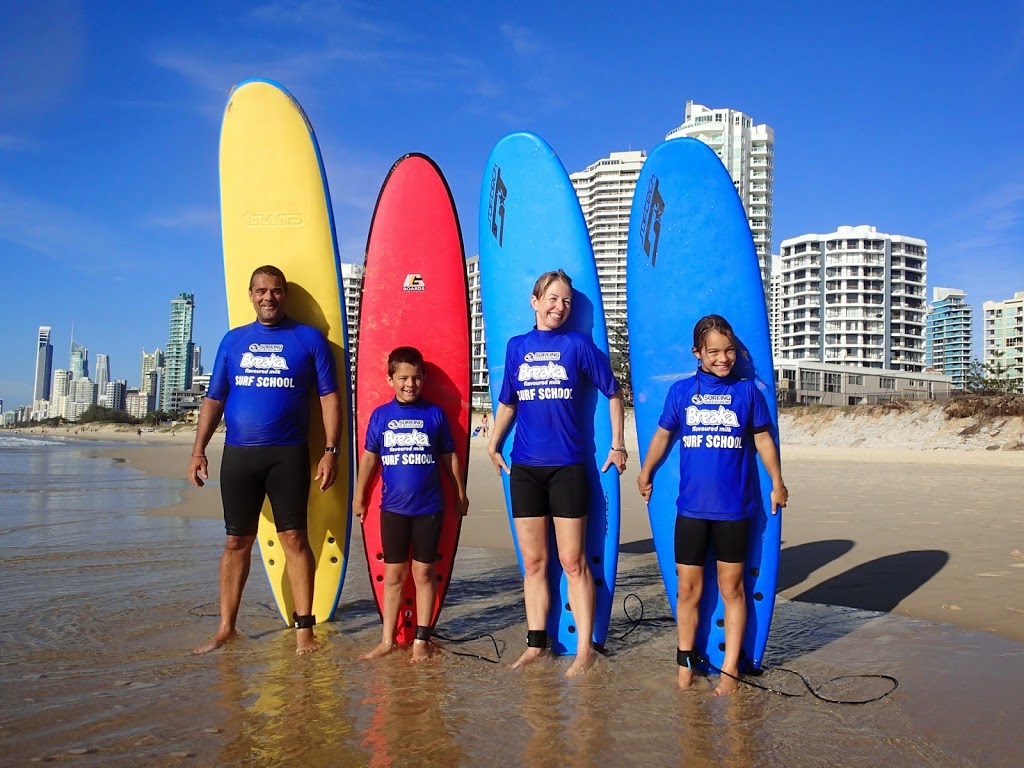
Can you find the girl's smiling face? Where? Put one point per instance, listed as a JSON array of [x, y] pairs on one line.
[[717, 355]]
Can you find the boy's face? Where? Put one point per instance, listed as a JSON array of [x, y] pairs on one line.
[[718, 355], [407, 381]]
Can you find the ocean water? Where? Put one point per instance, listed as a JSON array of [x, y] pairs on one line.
[[103, 601]]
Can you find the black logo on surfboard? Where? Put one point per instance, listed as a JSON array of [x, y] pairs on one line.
[[650, 224], [496, 206]]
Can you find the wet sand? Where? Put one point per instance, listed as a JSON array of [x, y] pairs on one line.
[[936, 535]]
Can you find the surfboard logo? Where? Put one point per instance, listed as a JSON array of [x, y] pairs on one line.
[[650, 224], [272, 219], [414, 282], [496, 206]]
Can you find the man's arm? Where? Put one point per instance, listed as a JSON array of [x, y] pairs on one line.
[[765, 444], [209, 417], [367, 465], [655, 455], [450, 461], [327, 469]]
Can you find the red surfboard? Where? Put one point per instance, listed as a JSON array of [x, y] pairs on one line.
[[415, 294]]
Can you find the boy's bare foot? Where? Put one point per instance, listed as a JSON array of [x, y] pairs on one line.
[[727, 684], [305, 642], [421, 651], [685, 678], [529, 655], [222, 638], [383, 649], [585, 659]]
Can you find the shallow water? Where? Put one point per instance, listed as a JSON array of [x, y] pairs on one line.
[[104, 602]]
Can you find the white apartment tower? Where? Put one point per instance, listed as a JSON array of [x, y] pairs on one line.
[[605, 190], [748, 152], [949, 335], [352, 290], [856, 297], [1004, 336], [479, 381]]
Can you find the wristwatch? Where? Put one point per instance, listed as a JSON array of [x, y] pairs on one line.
[[620, 450], [331, 449]]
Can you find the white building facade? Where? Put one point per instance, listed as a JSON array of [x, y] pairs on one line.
[[855, 297], [352, 288], [1004, 337]]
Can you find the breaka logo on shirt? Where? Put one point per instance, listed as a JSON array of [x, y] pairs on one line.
[[549, 372], [414, 439], [272, 362], [720, 417]]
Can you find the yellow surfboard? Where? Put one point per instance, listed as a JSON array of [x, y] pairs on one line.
[[276, 209]]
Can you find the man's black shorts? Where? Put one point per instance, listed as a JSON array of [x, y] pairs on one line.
[[399, 532], [694, 535], [555, 491], [248, 475]]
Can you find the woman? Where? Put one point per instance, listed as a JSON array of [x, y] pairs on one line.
[[543, 369]]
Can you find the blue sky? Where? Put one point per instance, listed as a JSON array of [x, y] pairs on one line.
[[906, 116]]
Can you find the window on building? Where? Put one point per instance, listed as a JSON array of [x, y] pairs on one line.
[[810, 380], [855, 378], [833, 382], [886, 382]]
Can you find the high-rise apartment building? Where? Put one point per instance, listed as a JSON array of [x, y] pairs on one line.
[[478, 377], [1004, 338], [44, 365], [102, 372], [197, 360], [79, 360], [747, 151], [948, 335], [149, 383], [605, 190], [855, 297], [178, 353], [352, 288]]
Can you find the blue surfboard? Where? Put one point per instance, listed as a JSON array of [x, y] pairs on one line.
[[690, 254], [530, 223]]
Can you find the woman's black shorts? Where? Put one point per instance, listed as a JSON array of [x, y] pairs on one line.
[[555, 491], [694, 535], [248, 475]]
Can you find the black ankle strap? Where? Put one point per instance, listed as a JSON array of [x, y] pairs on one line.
[[303, 622], [536, 638], [688, 659], [423, 633]]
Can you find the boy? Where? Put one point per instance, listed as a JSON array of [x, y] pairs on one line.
[[409, 437]]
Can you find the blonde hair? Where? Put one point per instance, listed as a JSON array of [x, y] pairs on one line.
[[545, 280]]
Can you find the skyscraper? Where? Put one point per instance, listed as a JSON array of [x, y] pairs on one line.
[[352, 288], [149, 384], [79, 360], [748, 153], [948, 334], [855, 297], [178, 354], [44, 365], [605, 190], [1004, 337], [102, 372]]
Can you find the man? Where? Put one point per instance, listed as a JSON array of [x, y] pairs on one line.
[[261, 382]]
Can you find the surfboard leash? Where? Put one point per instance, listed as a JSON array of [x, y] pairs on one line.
[[458, 640], [811, 689]]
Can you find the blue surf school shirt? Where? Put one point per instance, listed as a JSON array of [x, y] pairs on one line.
[[264, 375], [716, 419], [546, 377], [410, 439]]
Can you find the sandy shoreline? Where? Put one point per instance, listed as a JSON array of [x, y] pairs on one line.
[[933, 534]]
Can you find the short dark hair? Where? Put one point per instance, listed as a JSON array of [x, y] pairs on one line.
[[408, 355], [710, 323], [268, 269], [547, 279]]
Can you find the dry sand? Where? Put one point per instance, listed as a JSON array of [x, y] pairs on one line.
[[933, 528]]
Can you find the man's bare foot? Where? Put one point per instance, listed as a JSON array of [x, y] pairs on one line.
[[421, 651], [727, 684], [585, 659], [305, 642], [383, 649], [222, 638], [685, 678], [529, 655]]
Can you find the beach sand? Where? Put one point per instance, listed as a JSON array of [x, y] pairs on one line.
[[931, 534]]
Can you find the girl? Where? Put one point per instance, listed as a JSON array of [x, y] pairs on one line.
[[548, 478], [722, 420]]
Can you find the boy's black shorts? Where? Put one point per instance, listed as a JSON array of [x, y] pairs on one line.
[[250, 474], [693, 536], [399, 532], [555, 491]]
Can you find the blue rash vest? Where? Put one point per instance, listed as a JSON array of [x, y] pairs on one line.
[[546, 373], [410, 438], [716, 419], [264, 375]]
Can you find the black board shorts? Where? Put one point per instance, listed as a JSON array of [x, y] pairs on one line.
[[400, 532], [693, 536], [248, 475], [549, 491]]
